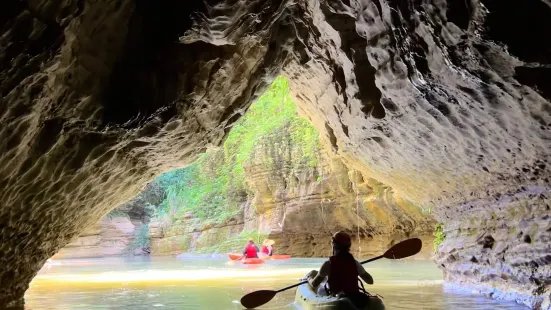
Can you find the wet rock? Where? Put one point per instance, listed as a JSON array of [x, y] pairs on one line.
[[501, 248]]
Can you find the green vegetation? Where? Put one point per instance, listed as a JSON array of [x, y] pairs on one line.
[[141, 240], [268, 121], [439, 236], [426, 210], [214, 187]]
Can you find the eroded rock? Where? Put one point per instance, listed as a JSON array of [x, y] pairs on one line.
[[300, 205], [115, 234], [443, 101], [500, 246]]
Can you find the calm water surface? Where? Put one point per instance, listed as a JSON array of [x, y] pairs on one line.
[[203, 282]]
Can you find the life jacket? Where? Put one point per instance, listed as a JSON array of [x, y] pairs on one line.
[[251, 251], [265, 250], [343, 276]]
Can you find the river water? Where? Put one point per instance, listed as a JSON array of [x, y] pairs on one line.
[[203, 282]]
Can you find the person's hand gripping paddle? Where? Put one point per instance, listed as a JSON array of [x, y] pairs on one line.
[[403, 249]]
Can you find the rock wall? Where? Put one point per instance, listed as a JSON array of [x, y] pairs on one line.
[[115, 234], [300, 206], [109, 237], [500, 246], [300, 202], [192, 234], [445, 101]]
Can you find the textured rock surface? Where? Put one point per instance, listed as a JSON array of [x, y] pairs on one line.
[[109, 237], [300, 207], [444, 101], [194, 235], [115, 232], [501, 246]]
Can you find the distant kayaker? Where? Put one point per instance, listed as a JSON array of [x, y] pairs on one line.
[[342, 272], [251, 250], [267, 247]]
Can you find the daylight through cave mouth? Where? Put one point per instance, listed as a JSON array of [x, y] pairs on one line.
[[271, 160]]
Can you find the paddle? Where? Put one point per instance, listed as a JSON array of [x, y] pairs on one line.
[[403, 249]]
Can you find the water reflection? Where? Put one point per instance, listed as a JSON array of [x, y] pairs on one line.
[[213, 283]]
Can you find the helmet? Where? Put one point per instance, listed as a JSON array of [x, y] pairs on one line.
[[251, 240], [342, 238]]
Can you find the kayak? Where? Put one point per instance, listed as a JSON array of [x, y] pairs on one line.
[[307, 299], [252, 261], [234, 256], [279, 256]]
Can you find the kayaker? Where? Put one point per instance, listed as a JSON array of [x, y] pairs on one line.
[[267, 247], [251, 250], [342, 272]]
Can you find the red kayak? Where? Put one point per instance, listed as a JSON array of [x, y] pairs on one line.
[[280, 256], [234, 256], [252, 261]]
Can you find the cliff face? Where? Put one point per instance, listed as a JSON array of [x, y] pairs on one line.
[[301, 205], [300, 201], [192, 234], [119, 232], [446, 102], [109, 237]]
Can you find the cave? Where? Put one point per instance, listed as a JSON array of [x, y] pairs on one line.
[[444, 102]]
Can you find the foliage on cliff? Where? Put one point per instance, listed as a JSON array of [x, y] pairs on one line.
[[439, 236], [141, 240], [214, 186]]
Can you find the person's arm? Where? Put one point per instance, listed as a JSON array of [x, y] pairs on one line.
[[257, 250], [245, 251], [324, 272], [364, 274]]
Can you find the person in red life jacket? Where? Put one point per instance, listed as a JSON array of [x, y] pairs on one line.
[[342, 272], [267, 247], [251, 250]]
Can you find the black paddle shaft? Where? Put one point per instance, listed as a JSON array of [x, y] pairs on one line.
[[304, 282]]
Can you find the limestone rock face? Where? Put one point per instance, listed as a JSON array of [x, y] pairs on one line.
[[115, 233], [444, 101], [300, 205], [109, 237], [194, 235], [500, 246]]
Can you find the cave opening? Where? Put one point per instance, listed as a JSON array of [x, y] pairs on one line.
[[271, 159], [253, 186]]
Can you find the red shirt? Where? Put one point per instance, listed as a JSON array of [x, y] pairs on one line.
[[251, 250]]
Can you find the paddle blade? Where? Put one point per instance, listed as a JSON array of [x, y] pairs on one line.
[[257, 298], [404, 249]]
